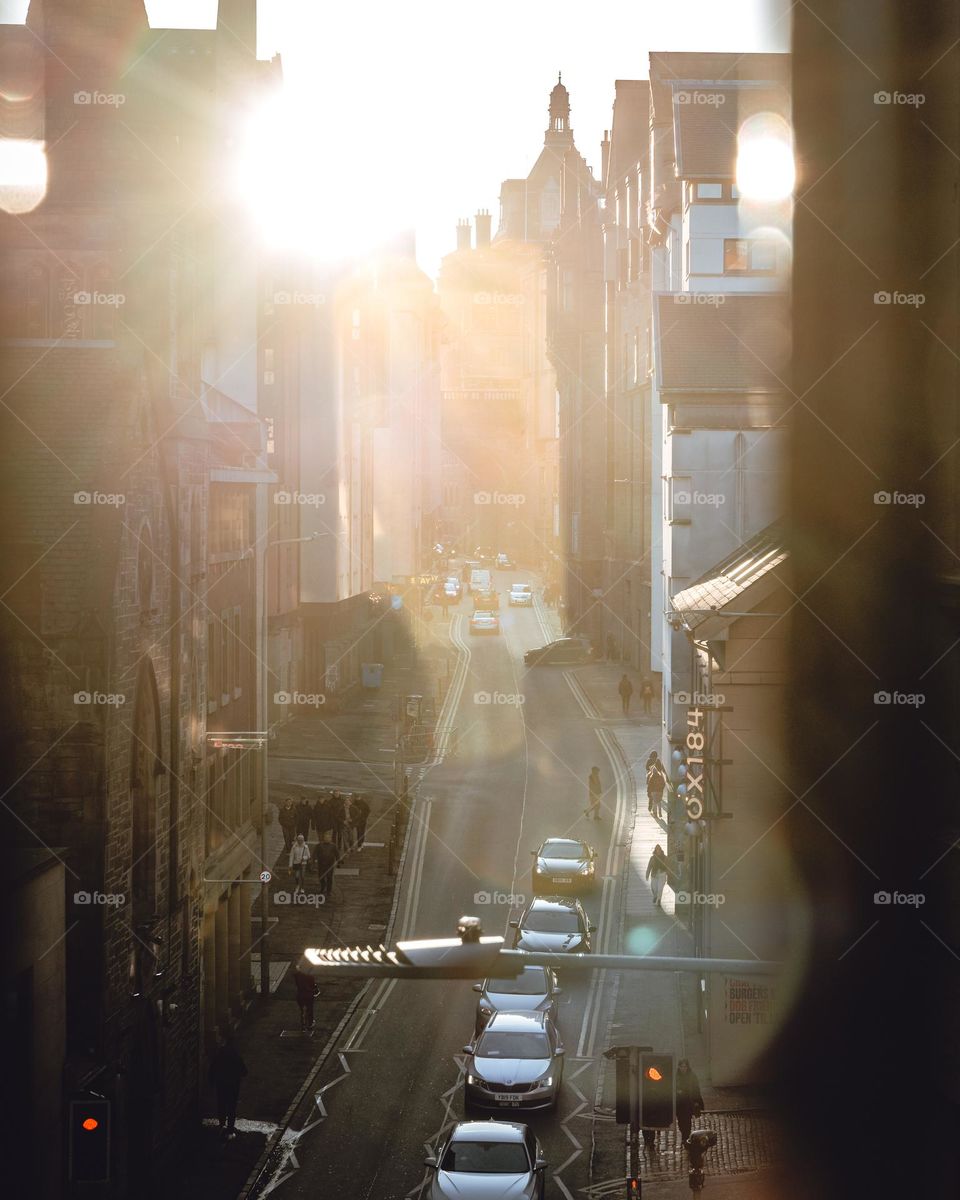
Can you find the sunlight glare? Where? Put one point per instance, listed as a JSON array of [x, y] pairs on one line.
[[765, 164], [23, 174]]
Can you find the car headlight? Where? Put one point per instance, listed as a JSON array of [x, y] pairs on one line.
[[538, 870], [471, 1079], [586, 869], [486, 1009], [546, 1081]]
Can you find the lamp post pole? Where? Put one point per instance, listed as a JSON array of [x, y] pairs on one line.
[[265, 872]]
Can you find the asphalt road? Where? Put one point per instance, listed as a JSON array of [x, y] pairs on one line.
[[524, 748]]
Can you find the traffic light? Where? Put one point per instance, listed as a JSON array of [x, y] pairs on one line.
[[657, 1090], [89, 1140], [623, 1089]]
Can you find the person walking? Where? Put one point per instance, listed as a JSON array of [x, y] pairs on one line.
[[689, 1099], [646, 696], [288, 823], [321, 816], [625, 688], [362, 809], [657, 873], [326, 861], [337, 814], [594, 789], [303, 817], [349, 824], [307, 990], [299, 858], [227, 1070], [656, 782]]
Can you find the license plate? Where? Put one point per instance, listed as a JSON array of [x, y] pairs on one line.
[[505, 1098], [559, 879]]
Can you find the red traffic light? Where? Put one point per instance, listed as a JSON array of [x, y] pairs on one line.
[[90, 1123]]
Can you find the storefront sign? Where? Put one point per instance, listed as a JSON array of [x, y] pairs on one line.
[[695, 743]]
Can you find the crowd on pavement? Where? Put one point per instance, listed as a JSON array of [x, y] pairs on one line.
[[339, 821]]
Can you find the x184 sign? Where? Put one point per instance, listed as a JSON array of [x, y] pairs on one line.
[[696, 740]]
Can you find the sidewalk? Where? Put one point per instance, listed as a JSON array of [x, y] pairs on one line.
[[311, 751], [660, 1008]]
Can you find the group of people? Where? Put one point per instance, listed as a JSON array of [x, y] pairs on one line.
[[340, 821], [625, 688]]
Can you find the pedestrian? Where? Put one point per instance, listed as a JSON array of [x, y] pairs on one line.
[[689, 1099], [362, 807], [321, 816], [656, 782], [611, 648], [337, 813], [299, 858], [326, 861], [227, 1069], [625, 688], [349, 824], [593, 791], [646, 695], [288, 823], [657, 873], [303, 817], [307, 991]]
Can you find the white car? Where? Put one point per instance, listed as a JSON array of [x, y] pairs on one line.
[[504, 560], [488, 1160], [484, 621], [521, 593]]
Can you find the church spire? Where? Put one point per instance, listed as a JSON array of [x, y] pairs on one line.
[[559, 111]]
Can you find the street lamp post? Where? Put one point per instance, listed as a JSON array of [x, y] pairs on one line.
[[265, 873]]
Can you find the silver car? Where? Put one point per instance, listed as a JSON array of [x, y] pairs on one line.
[[553, 925], [533, 990], [561, 863], [517, 1062], [488, 1160]]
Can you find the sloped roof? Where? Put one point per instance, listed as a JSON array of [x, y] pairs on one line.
[[739, 344], [630, 135], [707, 116], [732, 577]]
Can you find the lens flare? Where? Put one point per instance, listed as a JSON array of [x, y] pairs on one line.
[[765, 164]]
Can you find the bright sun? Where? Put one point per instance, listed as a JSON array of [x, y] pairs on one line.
[[765, 164]]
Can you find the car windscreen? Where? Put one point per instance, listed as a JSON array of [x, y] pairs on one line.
[[495, 1044], [530, 983], [486, 1158], [552, 922], [562, 850], [520, 587]]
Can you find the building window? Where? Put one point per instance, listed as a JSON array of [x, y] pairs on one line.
[[709, 191], [749, 256]]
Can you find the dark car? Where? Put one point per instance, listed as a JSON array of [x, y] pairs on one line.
[[488, 1160], [555, 925], [563, 863], [486, 600], [517, 1062], [564, 650], [533, 990]]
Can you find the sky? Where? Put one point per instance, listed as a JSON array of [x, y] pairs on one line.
[[404, 116]]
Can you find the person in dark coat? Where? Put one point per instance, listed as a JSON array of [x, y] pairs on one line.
[[656, 782], [288, 823], [326, 861], [625, 688], [306, 994], [227, 1070], [322, 819], [303, 817], [689, 1099], [338, 809], [361, 807]]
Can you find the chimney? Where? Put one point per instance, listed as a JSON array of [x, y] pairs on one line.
[[463, 235], [483, 228], [605, 158]]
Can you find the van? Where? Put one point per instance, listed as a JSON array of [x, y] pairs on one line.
[[479, 578]]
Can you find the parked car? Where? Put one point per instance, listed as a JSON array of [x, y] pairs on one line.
[[533, 990], [555, 925], [520, 594], [487, 599], [484, 622], [517, 1062], [488, 1160], [564, 650], [563, 863]]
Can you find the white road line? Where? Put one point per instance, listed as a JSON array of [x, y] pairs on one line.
[[586, 704]]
